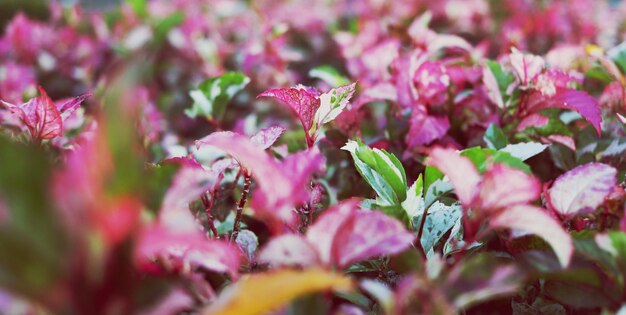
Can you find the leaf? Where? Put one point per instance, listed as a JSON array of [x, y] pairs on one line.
[[381, 170], [439, 220], [184, 250], [40, 116], [247, 242], [266, 292], [329, 75], [526, 66], [460, 170], [140, 7], [495, 137], [266, 137], [281, 185], [368, 234], [503, 187], [503, 78], [481, 277], [300, 99], [582, 189], [492, 86], [289, 250], [212, 95], [414, 201], [333, 103], [534, 220], [343, 235], [524, 150], [569, 99]]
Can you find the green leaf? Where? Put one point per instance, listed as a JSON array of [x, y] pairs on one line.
[[212, 95], [618, 54], [381, 170], [431, 175], [439, 220], [414, 201], [495, 137], [482, 158], [329, 75], [164, 26], [503, 77], [140, 7], [32, 246]]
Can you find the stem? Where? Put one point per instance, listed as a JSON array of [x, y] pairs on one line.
[[247, 181], [208, 205], [420, 231]]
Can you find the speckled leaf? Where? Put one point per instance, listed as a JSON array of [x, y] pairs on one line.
[[582, 189]]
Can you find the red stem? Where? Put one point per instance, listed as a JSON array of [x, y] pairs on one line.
[[247, 181]]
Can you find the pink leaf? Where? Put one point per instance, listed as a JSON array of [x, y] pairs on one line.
[[300, 99], [182, 251], [574, 100], [503, 186], [282, 186], [526, 66], [460, 170], [344, 235], [322, 233], [289, 250], [67, 106], [582, 189], [267, 137], [425, 129], [40, 116], [188, 185], [534, 220], [369, 234]]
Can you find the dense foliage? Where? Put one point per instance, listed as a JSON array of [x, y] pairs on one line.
[[314, 157]]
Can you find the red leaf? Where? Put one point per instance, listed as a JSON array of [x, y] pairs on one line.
[[300, 99], [40, 116]]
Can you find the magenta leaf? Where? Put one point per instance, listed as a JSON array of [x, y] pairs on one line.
[[534, 220], [369, 234], [188, 185], [344, 235], [424, 128], [267, 137], [289, 250], [300, 99], [181, 251], [569, 99], [281, 186], [40, 116], [323, 232], [68, 106], [582, 189]]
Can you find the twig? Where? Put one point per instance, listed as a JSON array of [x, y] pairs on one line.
[[247, 181], [207, 206], [420, 231]]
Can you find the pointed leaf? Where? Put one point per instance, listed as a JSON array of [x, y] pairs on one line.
[[304, 103], [439, 220], [289, 250], [267, 137], [212, 95], [503, 187], [583, 189], [461, 172], [333, 103], [262, 293], [534, 220], [40, 116], [524, 150], [578, 101], [495, 137]]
